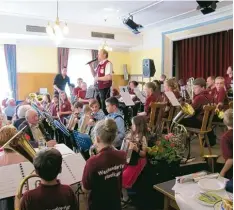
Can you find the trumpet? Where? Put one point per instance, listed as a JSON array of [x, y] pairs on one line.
[[20, 144]]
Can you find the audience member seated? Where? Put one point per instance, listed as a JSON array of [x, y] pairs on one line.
[[227, 145], [50, 194], [46, 102], [10, 109], [78, 88], [103, 172], [7, 156], [20, 114], [210, 84], [81, 96], [220, 94], [229, 78], [112, 107], [200, 99], [65, 106], [132, 85], [138, 144], [54, 109], [35, 129], [152, 95]]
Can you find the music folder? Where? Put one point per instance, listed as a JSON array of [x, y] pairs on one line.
[[126, 97], [139, 95], [171, 97]]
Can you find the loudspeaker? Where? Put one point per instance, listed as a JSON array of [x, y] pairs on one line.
[[148, 68]]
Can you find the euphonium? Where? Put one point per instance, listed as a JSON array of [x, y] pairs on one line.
[[72, 122], [19, 144]]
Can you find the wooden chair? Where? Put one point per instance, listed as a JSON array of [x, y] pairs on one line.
[[156, 115], [209, 111], [231, 105]]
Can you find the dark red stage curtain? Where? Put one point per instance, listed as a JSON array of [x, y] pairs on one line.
[[203, 56]]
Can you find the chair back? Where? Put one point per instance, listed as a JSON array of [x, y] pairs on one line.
[[209, 111], [231, 105], [156, 115]]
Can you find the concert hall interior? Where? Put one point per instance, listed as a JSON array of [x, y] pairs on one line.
[[110, 105]]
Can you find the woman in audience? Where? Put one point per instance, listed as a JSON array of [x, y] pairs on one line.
[[46, 102], [103, 172], [152, 95], [138, 144], [10, 109], [7, 156], [227, 145], [64, 106]]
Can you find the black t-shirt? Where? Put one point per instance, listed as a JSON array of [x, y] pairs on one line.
[[103, 177], [61, 82]]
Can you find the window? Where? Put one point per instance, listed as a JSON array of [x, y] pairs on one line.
[[76, 67], [4, 83]]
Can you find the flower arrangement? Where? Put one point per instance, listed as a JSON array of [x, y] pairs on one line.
[[163, 151]]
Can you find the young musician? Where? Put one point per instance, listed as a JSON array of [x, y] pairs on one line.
[[210, 84], [132, 85], [46, 102], [152, 95], [81, 95], [78, 88], [227, 145], [8, 157], [85, 118], [64, 106], [103, 172], [97, 113], [138, 143], [112, 106], [55, 106], [51, 194], [229, 78]]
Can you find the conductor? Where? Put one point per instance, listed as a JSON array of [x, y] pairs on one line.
[[103, 77]]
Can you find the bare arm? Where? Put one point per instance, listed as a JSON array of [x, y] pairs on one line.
[[226, 167], [56, 88], [92, 70]]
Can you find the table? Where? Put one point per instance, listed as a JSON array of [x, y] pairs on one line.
[[169, 195]]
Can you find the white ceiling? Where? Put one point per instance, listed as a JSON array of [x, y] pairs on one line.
[[86, 16], [96, 12]]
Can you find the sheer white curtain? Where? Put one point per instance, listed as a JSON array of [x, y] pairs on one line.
[[76, 67], [4, 83]]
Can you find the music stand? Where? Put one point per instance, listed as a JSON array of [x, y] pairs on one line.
[[127, 99], [139, 95]]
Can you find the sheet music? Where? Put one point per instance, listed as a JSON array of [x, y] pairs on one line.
[[126, 97], [11, 176], [90, 92], [172, 98], [139, 95]]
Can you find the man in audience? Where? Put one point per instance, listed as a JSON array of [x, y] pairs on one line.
[[112, 106], [35, 130], [103, 77], [200, 99], [60, 81], [103, 172], [210, 84], [229, 78], [79, 83], [227, 145], [20, 114], [10, 109], [51, 194]]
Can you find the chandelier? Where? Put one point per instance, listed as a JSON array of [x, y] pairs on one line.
[[57, 30], [105, 47]]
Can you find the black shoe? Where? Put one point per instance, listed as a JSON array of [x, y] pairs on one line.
[[124, 204]]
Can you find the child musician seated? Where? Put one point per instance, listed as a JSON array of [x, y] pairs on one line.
[[8, 157], [65, 107], [138, 144], [103, 172], [152, 95], [97, 113], [81, 95], [55, 106], [227, 145], [51, 194], [112, 107], [84, 126]]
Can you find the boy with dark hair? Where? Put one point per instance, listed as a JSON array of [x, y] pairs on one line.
[[50, 194], [112, 107]]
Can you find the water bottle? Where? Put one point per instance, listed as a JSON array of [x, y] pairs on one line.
[[41, 144]]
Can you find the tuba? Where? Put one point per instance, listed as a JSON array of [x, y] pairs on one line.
[[20, 144]]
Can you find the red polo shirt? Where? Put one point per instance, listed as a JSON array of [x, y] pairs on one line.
[[81, 94], [49, 197], [228, 82], [199, 101], [155, 97], [220, 96], [54, 109], [227, 144], [211, 91], [76, 90], [65, 106], [103, 177]]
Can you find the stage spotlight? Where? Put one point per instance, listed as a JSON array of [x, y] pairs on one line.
[[132, 25], [207, 7]]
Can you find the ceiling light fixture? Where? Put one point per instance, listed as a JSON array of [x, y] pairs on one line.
[[105, 47], [57, 30]]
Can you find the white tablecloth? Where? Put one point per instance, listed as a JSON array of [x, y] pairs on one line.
[[185, 196], [62, 148]]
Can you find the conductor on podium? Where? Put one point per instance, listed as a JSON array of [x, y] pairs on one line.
[[103, 77]]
